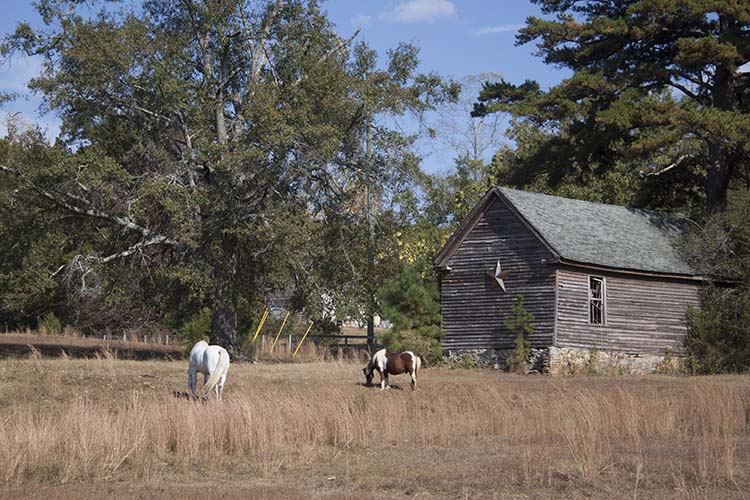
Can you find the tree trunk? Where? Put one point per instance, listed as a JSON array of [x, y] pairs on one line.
[[718, 175], [224, 326], [223, 313], [719, 170]]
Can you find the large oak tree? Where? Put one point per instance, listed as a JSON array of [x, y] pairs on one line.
[[215, 146]]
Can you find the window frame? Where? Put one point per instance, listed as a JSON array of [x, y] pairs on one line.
[[602, 300]]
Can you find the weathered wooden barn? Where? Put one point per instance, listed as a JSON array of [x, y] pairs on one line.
[[594, 276]]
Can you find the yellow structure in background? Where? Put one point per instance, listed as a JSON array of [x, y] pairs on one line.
[[260, 325], [280, 328], [303, 339]]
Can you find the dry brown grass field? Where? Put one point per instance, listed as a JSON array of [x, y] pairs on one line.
[[76, 428], [15, 344]]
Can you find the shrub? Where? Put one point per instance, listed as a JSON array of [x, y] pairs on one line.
[[424, 341], [592, 364], [50, 324], [718, 339], [667, 364], [198, 327]]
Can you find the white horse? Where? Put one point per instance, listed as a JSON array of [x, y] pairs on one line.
[[213, 362]]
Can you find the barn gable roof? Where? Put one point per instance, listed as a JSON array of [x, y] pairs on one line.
[[594, 234]]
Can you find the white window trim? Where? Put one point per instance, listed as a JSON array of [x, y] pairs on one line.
[[603, 299]]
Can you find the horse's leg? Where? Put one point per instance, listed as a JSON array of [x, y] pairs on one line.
[[383, 376], [220, 385], [191, 380], [413, 375], [387, 381]]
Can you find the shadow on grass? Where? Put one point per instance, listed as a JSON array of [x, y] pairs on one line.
[[377, 386]]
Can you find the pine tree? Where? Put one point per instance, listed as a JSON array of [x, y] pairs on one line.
[[411, 302], [656, 84], [521, 322]]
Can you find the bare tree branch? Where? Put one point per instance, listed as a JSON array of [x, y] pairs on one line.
[[258, 49], [156, 240], [333, 51], [127, 223], [669, 167]]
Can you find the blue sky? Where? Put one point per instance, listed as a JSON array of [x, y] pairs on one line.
[[457, 38]]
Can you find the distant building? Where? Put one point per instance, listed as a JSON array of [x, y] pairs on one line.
[[595, 277]]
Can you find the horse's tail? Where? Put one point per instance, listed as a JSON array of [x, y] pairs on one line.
[[221, 367], [418, 363]]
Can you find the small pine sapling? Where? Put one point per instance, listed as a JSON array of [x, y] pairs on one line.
[[521, 322]]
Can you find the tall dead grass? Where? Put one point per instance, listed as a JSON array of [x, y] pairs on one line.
[[309, 351], [689, 433]]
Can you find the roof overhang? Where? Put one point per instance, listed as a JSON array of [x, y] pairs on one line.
[[633, 272]]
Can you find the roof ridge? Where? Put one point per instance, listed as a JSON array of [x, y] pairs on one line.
[[604, 234], [596, 203], [588, 232]]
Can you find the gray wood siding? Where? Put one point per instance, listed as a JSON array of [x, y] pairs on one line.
[[643, 314], [473, 309]]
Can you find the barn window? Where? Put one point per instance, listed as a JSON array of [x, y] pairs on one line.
[[597, 300]]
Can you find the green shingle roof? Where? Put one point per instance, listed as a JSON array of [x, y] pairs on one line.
[[606, 235]]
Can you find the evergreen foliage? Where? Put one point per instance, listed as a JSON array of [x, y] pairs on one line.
[[411, 301], [521, 322], [655, 102], [718, 338], [51, 324]]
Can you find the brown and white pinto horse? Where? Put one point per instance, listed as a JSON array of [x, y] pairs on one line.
[[388, 363]]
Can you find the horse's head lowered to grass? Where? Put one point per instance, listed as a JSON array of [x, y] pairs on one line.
[[369, 372]]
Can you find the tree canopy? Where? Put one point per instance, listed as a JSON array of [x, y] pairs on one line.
[[657, 91], [211, 153]]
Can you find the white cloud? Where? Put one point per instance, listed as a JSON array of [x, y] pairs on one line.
[[361, 20], [414, 11], [502, 28]]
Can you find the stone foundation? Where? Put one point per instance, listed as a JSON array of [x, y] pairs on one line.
[[569, 361], [497, 359], [572, 361]]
